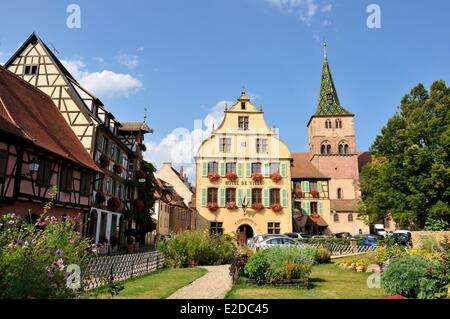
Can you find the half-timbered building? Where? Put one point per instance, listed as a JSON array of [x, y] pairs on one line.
[[38, 150], [116, 149]]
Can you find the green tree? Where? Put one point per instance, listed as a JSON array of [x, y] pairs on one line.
[[409, 178]]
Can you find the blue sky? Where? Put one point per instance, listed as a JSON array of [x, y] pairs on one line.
[[183, 58]]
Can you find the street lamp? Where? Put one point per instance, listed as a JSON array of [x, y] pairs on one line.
[[33, 166]]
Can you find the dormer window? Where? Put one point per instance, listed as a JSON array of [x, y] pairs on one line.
[[243, 123], [242, 105], [330, 98], [30, 69]]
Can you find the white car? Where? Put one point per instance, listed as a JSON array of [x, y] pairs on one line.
[[278, 241]]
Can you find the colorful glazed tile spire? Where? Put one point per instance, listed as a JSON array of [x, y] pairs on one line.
[[328, 100]]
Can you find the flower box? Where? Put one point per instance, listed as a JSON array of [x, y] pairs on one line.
[[118, 169], [212, 206], [104, 161], [100, 198], [276, 177], [257, 177], [314, 193], [231, 205], [276, 208], [213, 177], [114, 203], [298, 193], [258, 206], [231, 176], [139, 205]]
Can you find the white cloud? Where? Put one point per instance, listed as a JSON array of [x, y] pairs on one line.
[[130, 61], [180, 146], [105, 83], [305, 9], [140, 49], [1, 58]]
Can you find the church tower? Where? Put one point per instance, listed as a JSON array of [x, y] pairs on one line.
[[332, 149]]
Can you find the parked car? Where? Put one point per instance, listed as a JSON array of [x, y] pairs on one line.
[[261, 237], [402, 237], [279, 241], [323, 236], [343, 235], [297, 235], [368, 240]]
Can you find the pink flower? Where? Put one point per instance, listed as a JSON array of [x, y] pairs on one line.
[[429, 270], [43, 223], [72, 241], [59, 262]]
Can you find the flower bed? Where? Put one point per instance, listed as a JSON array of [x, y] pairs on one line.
[[231, 176], [212, 206], [213, 177], [257, 177], [258, 206]]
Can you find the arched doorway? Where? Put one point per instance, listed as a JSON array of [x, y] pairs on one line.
[[244, 232]]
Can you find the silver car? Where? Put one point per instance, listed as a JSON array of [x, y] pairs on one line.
[[279, 241]]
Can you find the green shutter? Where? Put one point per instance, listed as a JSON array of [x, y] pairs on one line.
[[239, 197], [320, 208], [283, 168], [306, 186], [222, 168], [319, 187], [266, 197], [265, 169], [284, 198], [222, 197], [248, 172], [239, 169], [204, 169], [204, 193], [249, 196], [308, 207]]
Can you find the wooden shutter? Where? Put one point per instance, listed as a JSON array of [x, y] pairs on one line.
[[320, 208], [249, 196], [248, 170], [204, 195], [204, 169], [319, 187], [308, 208], [266, 197], [239, 197], [284, 198], [239, 169], [222, 197], [266, 169], [306, 186], [283, 169], [222, 168]]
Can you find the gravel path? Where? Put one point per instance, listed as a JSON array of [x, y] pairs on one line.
[[213, 285]]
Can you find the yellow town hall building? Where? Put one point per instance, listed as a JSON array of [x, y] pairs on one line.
[[243, 178]]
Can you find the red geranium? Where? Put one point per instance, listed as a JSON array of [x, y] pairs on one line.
[[314, 193], [213, 177], [257, 177], [258, 206], [231, 205], [104, 161], [139, 204], [100, 198], [212, 206], [118, 169], [276, 177], [114, 203], [276, 208], [231, 176], [298, 193]]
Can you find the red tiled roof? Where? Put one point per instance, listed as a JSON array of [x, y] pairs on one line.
[[135, 126], [363, 159], [29, 114], [344, 205], [303, 168], [318, 220]]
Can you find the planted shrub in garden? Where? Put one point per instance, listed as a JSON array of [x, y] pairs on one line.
[[415, 277], [338, 241], [193, 248]]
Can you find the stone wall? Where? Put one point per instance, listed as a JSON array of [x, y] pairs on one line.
[[417, 236]]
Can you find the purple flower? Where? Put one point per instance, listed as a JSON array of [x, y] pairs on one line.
[[53, 286], [43, 223], [59, 253], [50, 274], [33, 241], [59, 262], [10, 222], [20, 242], [72, 241]]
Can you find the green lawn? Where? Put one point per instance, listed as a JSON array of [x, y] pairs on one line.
[[157, 285], [327, 281]]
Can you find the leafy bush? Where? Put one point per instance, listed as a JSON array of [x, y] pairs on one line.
[[192, 248], [34, 257], [320, 255], [339, 241], [240, 260], [386, 253], [415, 277], [280, 263]]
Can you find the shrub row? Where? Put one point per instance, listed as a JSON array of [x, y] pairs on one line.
[[339, 241]]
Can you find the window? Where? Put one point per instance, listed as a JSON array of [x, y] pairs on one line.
[[243, 123], [257, 196], [114, 188], [45, 173], [339, 193], [330, 98], [313, 206], [216, 228], [230, 195], [261, 145], [329, 149], [230, 167], [338, 123], [313, 185], [108, 186], [327, 124], [350, 217], [274, 168], [341, 149], [30, 69], [3, 164], [256, 168], [212, 195], [346, 149], [65, 179], [336, 218], [323, 149], [213, 168], [274, 196], [104, 145], [273, 228], [85, 184], [225, 145], [242, 105], [113, 152]]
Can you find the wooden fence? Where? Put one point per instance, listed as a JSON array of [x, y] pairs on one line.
[[339, 250], [102, 269]]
